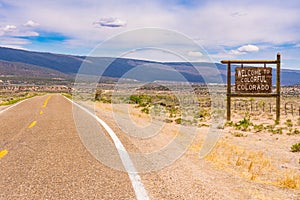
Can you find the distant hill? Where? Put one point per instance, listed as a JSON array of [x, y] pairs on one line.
[[37, 64], [26, 70], [62, 63]]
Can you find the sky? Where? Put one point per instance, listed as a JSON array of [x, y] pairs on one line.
[[224, 29]]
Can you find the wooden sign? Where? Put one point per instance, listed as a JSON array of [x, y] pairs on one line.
[[253, 79]]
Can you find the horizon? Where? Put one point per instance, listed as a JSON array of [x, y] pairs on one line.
[[224, 30]]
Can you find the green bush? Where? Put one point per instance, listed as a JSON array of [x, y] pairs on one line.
[[178, 121], [145, 110], [293, 132], [289, 123], [295, 147], [135, 99], [142, 100], [201, 114], [259, 128], [296, 131], [243, 125], [173, 111], [277, 131]]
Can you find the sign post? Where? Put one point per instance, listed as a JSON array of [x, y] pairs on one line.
[[253, 81]]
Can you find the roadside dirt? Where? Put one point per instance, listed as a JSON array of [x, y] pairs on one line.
[[258, 166]]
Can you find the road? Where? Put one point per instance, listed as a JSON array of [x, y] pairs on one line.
[[43, 157]]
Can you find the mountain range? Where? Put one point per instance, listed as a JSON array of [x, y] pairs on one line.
[[21, 63]]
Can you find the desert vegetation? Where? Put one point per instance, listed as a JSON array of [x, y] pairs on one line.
[[11, 98], [254, 146]]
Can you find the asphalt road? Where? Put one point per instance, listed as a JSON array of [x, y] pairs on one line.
[[42, 156]]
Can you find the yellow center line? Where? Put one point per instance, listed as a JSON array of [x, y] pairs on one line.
[[3, 153], [46, 101], [41, 112], [32, 124]]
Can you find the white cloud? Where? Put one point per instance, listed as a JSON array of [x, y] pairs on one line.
[[31, 23], [111, 22], [248, 48], [28, 34], [244, 49], [9, 28], [12, 30], [195, 53]]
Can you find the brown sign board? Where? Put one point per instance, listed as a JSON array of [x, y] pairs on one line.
[[253, 79]]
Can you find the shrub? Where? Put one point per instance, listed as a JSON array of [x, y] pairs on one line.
[[178, 121], [141, 100], [168, 120], [270, 128], [293, 132], [172, 110], [201, 114], [243, 125], [295, 147], [145, 110], [135, 99], [259, 127], [289, 123], [277, 131], [229, 123], [237, 134], [296, 131]]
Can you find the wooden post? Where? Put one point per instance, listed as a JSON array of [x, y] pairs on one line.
[[229, 92], [278, 88]]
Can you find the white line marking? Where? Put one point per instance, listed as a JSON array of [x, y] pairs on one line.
[[136, 182], [9, 107]]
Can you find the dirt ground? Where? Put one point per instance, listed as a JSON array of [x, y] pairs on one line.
[[247, 164]]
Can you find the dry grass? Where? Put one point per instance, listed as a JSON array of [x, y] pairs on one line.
[[290, 180], [252, 165]]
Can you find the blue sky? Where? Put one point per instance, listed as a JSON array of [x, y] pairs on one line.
[[231, 29]]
